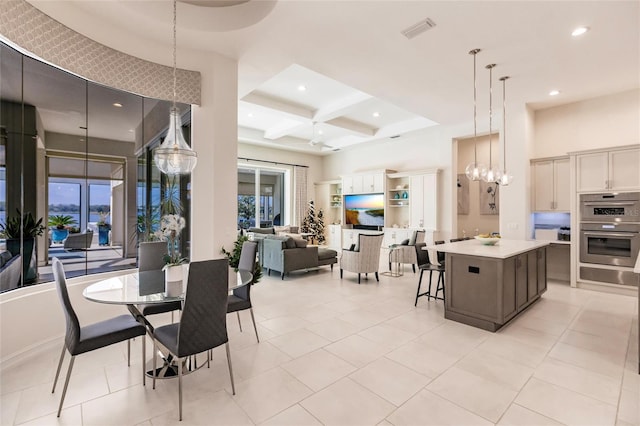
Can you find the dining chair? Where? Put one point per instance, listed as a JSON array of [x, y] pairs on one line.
[[203, 323], [79, 340], [240, 300], [151, 258], [424, 264]]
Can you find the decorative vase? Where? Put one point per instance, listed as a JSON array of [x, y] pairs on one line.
[[59, 235], [103, 235], [173, 281], [405, 195]]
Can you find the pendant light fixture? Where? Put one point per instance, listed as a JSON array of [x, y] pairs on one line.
[[491, 174], [474, 170], [505, 177], [174, 156]]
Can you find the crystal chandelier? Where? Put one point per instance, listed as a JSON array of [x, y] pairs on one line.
[[493, 173], [174, 156], [474, 170], [505, 177]]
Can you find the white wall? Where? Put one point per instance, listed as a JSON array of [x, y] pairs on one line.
[[602, 122]]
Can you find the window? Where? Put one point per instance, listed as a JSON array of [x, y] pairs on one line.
[[267, 187]]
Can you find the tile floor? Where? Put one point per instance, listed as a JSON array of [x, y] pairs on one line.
[[335, 352]]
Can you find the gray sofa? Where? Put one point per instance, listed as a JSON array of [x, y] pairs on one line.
[[10, 269], [286, 254]]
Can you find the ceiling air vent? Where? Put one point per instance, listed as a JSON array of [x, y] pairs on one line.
[[394, 137], [419, 28]]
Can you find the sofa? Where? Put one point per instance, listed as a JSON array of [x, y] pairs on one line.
[[80, 241], [285, 254], [10, 269]]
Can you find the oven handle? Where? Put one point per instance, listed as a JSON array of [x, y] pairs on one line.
[[608, 203], [629, 235]]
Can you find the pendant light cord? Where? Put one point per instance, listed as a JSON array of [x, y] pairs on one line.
[[490, 67], [474, 52], [175, 19], [504, 121]]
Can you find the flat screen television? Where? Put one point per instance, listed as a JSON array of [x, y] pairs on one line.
[[364, 211]]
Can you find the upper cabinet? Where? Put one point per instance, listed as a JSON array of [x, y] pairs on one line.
[[363, 183], [424, 200], [551, 184], [608, 170]]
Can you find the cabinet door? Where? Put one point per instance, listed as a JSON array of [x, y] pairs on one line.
[[623, 169], [532, 274], [430, 201], [561, 176], [347, 185], [416, 206], [378, 182], [358, 184], [543, 182], [593, 171], [521, 280], [542, 269]]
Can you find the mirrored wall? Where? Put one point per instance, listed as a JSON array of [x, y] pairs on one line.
[[77, 178]]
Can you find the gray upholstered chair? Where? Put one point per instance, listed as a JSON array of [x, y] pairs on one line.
[[203, 324], [151, 258], [81, 241], [79, 340], [240, 300], [366, 258], [407, 252]]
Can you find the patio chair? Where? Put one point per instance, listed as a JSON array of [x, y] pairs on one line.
[[81, 241]]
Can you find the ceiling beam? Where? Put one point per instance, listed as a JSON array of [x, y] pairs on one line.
[[341, 107], [353, 126], [284, 128], [271, 103]]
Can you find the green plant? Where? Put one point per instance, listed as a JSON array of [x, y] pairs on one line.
[[103, 219], [24, 225], [233, 257], [170, 227], [61, 221]]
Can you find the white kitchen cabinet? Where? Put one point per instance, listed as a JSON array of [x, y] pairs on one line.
[[363, 183], [551, 184], [424, 196], [396, 236], [334, 237], [615, 170]]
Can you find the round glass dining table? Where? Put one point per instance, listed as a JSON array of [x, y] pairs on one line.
[[145, 288]]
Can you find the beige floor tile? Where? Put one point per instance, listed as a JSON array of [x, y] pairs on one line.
[[614, 347], [529, 336], [554, 310], [480, 396], [257, 359], [495, 368], [631, 380], [343, 305], [145, 423], [586, 359], [317, 314], [213, 409], [264, 396], [42, 369], [514, 350], [347, 403], [390, 380], [333, 329], [299, 342], [8, 407], [623, 423], [516, 415], [454, 338], [387, 335], [417, 321], [629, 410], [318, 369], [423, 359], [284, 324], [594, 385], [357, 350], [564, 405], [534, 322], [427, 408], [292, 416], [363, 318], [71, 416]]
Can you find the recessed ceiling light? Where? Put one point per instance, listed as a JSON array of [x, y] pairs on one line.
[[302, 88], [320, 132], [117, 105], [376, 114], [250, 115], [579, 31], [554, 93]]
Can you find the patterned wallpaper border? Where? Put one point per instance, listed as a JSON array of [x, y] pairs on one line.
[[47, 38]]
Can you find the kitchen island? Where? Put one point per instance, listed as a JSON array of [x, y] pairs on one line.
[[486, 286]]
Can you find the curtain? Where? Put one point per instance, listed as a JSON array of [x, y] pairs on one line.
[[300, 194]]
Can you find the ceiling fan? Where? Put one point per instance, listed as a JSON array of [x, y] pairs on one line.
[[317, 141]]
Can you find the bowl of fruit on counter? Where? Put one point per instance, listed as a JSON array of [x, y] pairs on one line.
[[488, 239]]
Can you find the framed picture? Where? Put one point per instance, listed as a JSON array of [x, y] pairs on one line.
[[489, 198], [463, 194]]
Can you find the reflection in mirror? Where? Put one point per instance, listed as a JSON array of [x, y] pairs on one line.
[[79, 156]]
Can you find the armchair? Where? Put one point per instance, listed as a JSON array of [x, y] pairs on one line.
[[366, 259], [80, 241], [407, 251]]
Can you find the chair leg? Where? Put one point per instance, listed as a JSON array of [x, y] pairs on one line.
[[413, 265], [282, 276], [429, 291], [239, 323], [358, 277], [180, 388], [64, 348], [233, 386], [332, 267], [377, 278], [144, 358], [419, 284], [254, 324], [66, 384], [129, 353], [340, 273], [155, 355]]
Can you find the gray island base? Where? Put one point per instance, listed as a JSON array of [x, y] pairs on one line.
[[487, 286]]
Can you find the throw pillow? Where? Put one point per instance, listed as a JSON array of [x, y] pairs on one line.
[[5, 257], [300, 243], [404, 242], [290, 243]]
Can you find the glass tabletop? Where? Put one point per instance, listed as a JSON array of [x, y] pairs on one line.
[[144, 288]]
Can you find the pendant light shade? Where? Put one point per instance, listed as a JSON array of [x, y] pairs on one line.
[[505, 178], [174, 156], [474, 170], [491, 174]]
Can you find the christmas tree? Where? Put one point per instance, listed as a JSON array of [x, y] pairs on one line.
[[314, 223]]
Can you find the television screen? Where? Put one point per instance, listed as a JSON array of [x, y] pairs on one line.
[[364, 209]]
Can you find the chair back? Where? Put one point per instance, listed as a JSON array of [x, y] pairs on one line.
[[441, 255], [72, 336], [151, 255], [369, 248], [455, 240], [203, 324], [247, 263], [420, 234], [422, 256]]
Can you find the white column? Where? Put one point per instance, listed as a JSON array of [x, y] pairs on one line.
[[214, 182]]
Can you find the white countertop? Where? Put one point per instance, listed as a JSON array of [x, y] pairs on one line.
[[502, 250]]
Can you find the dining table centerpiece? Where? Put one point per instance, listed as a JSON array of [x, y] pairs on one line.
[[171, 225]]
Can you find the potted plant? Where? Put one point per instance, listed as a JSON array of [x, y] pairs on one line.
[[233, 257], [60, 227], [103, 229], [23, 229]]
